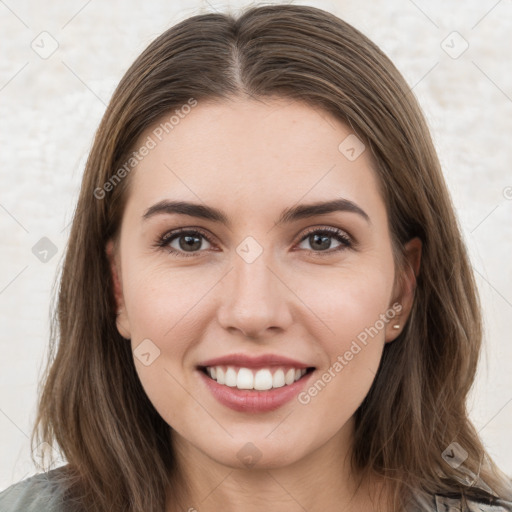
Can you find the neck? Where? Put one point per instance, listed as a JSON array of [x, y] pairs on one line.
[[320, 481]]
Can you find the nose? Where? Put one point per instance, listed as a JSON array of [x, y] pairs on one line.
[[255, 299]]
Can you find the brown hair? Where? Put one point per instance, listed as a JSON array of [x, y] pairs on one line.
[[92, 403]]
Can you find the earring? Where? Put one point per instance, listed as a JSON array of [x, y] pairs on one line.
[[396, 326]]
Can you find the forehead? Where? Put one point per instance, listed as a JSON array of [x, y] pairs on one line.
[[252, 153]]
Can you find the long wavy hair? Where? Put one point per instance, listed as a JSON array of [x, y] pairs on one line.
[[92, 407]]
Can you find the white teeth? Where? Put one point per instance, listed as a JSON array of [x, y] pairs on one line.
[[260, 380], [290, 376], [230, 377], [278, 379], [245, 379], [263, 380]]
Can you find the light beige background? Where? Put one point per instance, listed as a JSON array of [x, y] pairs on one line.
[[50, 108]]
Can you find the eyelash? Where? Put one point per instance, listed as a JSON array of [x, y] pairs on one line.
[[164, 241]]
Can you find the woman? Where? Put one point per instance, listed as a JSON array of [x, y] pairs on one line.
[[266, 293]]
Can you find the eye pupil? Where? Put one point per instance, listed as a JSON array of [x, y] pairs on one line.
[[320, 238], [191, 242]]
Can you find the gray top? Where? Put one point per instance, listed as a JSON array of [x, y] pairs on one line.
[[39, 493]]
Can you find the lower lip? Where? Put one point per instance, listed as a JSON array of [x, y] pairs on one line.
[[245, 400]]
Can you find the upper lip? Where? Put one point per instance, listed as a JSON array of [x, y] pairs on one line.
[[247, 361]]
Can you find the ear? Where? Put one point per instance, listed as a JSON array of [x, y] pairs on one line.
[[122, 323], [405, 288]]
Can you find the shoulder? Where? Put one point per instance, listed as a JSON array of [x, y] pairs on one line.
[[455, 504], [38, 493]]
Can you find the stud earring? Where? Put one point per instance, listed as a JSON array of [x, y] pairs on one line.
[[396, 326]]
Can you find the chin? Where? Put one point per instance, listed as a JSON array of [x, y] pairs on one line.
[[261, 453]]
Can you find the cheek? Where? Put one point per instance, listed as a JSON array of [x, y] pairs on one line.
[[162, 301], [162, 310], [346, 301], [162, 324], [352, 310]]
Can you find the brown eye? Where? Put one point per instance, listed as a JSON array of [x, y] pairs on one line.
[[186, 242], [320, 240]]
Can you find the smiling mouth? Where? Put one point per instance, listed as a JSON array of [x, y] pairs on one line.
[[261, 379]]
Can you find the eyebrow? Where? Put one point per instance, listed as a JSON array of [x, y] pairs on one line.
[[288, 215]]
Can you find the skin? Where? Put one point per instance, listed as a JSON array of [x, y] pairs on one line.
[[252, 159]]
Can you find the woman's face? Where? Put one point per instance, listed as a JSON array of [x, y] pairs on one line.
[[249, 284]]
